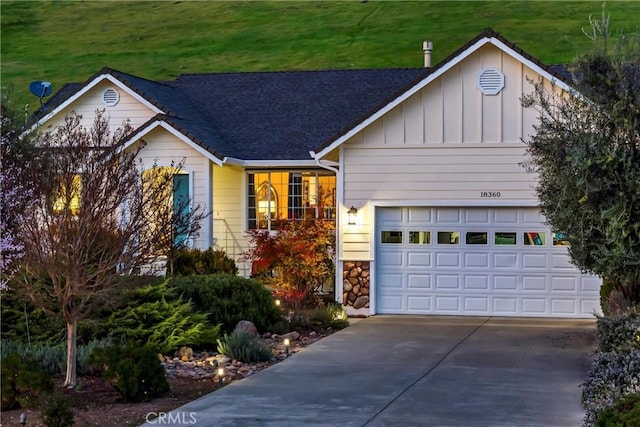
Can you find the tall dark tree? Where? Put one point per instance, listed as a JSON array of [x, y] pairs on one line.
[[586, 152], [96, 219]]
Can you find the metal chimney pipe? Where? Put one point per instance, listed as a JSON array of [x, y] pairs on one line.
[[427, 47]]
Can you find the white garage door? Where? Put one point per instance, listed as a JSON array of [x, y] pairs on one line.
[[476, 261]]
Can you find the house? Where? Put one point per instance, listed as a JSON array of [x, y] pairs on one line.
[[427, 160]]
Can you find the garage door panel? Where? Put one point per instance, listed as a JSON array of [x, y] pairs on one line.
[[505, 260], [435, 267], [418, 281], [534, 283], [563, 284], [476, 260], [505, 283], [447, 260], [476, 282], [418, 259], [447, 281]]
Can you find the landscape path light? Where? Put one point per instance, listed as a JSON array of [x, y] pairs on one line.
[[286, 343]]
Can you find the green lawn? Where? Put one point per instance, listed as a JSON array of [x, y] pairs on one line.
[[63, 41]]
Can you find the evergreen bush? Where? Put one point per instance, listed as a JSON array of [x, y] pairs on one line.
[[244, 347], [156, 317], [620, 333], [57, 412], [228, 299], [210, 261], [23, 382], [133, 370], [330, 316]]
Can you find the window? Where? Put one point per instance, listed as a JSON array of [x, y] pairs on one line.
[[535, 239], [391, 237], [448, 237], [505, 238], [560, 239], [476, 238], [277, 196], [67, 198], [419, 237]]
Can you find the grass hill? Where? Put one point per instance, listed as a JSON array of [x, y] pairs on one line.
[[68, 41]]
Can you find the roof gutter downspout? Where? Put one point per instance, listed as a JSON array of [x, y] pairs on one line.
[[338, 274], [317, 160]]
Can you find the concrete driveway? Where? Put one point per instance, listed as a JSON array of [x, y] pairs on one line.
[[415, 371]]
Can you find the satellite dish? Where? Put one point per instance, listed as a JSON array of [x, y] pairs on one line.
[[40, 89]]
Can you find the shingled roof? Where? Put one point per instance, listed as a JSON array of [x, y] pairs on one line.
[[274, 115]]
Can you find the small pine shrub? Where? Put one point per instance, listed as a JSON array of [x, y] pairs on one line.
[[228, 299], [133, 370], [156, 317], [210, 261], [23, 382], [243, 347], [625, 413], [57, 412]]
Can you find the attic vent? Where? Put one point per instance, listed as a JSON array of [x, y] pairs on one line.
[[110, 97], [490, 81]]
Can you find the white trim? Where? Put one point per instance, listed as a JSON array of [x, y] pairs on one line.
[[431, 77], [268, 163], [339, 263], [141, 132], [469, 203], [208, 203], [99, 79]]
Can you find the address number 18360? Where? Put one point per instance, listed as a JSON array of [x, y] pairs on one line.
[[490, 194]]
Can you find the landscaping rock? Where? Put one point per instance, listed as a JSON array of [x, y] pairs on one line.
[[291, 335], [247, 327], [361, 301], [185, 353]]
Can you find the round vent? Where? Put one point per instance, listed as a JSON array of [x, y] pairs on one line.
[[110, 97], [490, 81]]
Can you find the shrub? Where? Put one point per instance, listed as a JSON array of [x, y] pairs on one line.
[[625, 413], [330, 316], [155, 317], [228, 299], [244, 347], [53, 358], [210, 261], [133, 370], [611, 377], [619, 333], [57, 412], [300, 258], [23, 382]]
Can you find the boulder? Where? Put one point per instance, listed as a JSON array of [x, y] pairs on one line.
[[246, 326]]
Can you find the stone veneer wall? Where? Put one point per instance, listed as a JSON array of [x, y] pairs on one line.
[[355, 284]]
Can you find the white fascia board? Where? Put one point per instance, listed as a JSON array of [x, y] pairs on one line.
[[535, 67], [139, 134], [270, 163], [87, 88], [533, 202]]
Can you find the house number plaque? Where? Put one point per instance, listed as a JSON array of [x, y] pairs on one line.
[[490, 194]]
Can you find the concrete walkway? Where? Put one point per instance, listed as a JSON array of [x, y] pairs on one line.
[[415, 371]]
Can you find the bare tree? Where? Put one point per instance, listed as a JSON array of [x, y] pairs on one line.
[[96, 220]]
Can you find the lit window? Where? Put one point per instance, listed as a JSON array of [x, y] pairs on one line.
[[476, 238], [278, 196], [535, 239], [505, 238], [419, 237], [448, 237], [68, 196], [391, 237]]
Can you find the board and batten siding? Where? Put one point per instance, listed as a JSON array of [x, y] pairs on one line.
[[128, 108], [447, 141]]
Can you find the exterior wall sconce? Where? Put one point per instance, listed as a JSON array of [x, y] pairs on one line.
[[352, 213]]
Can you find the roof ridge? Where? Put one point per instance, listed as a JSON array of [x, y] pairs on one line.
[[326, 70]]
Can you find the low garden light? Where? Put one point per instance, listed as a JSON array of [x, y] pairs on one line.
[[220, 373], [352, 214], [286, 343], [277, 303], [23, 419]]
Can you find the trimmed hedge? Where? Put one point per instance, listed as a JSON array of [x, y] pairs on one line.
[[210, 261], [228, 299]]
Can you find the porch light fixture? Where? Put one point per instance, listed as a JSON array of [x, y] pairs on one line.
[[352, 213]]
